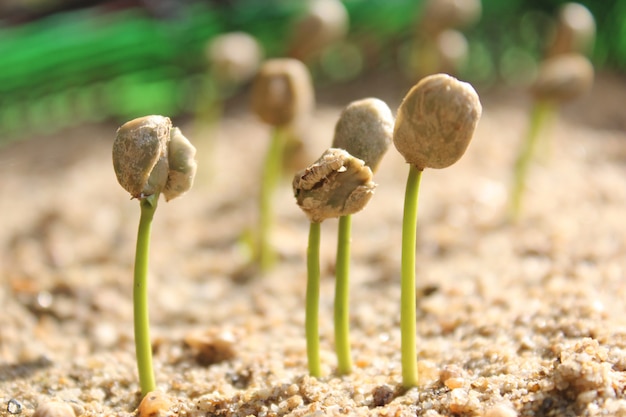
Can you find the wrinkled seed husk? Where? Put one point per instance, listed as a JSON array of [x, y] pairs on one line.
[[282, 91], [365, 130], [337, 184], [563, 78], [182, 165], [140, 155], [439, 15], [575, 32], [436, 121]]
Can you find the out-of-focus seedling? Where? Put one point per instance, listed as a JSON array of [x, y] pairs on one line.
[[561, 78], [282, 93], [337, 184], [440, 46], [365, 130], [434, 125], [150, 158], [575, 30], [323, 23]]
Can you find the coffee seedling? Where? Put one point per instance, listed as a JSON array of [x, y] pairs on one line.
[[434, 125], [364, 130], [561, 78], [282, 92], [150, 158], [337, 184]]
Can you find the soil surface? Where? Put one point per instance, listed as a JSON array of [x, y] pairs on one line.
[[514, 319]]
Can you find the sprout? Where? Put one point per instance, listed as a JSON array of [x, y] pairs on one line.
[[434, 125], [561, 78], [150, 157], [364, 130], [337, 184], [282, 94]]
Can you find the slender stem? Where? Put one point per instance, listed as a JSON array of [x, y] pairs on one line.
[[312, 301], [540, 112], [408, 319], [271, 175], [342, 297], [143, 347]]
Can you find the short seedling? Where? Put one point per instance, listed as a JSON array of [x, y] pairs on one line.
[[561, 78], [365, 130], [150, 158], [282, 93], [434, 126], [336, 185]]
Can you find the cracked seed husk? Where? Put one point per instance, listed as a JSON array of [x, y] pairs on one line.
[[140, 155], [337, 184], [365, 130], [182, 165], [436, 121]]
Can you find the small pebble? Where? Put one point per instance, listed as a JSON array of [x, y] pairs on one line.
[[501, 410], [382, 395], [14, 406], [54, 409], [154, 404]]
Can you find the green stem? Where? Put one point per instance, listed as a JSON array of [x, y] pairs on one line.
[[540, 112], [312, 301], [271, 175], [143, 347], [408, 319], [342, 297]]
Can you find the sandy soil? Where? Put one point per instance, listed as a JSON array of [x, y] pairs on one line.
[[520, 319]]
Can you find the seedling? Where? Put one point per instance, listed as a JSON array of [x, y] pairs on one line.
[[337, 184], [575, 31], [150, 158], [282, 93], [561, 78], [365, 130], [434, 125]]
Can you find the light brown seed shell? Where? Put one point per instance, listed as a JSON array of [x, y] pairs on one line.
[[365, 130], [575, 32], [140, 155], [436, 121], [182, 165], [337, 184], [155, 404], [563, 78], [282, 91], [449, 14]]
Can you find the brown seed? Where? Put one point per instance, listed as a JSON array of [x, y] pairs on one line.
[[365, 130], [234, 57], [563, 78], [337, 184], [212, 346], [282, 91], [324, 22], [54, 409], [154, 404], [140, 155], [436, 121], [182, 165]]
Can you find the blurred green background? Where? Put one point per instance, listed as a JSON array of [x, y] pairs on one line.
[[65, 63]]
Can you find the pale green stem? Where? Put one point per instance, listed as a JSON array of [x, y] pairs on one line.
[[540, 112], [271, 176], [342, 297], [408, 319], [143, 346], [312, 301]]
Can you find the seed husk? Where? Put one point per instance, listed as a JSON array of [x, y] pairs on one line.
[[365, 130], [436, 121], [337, 184]]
